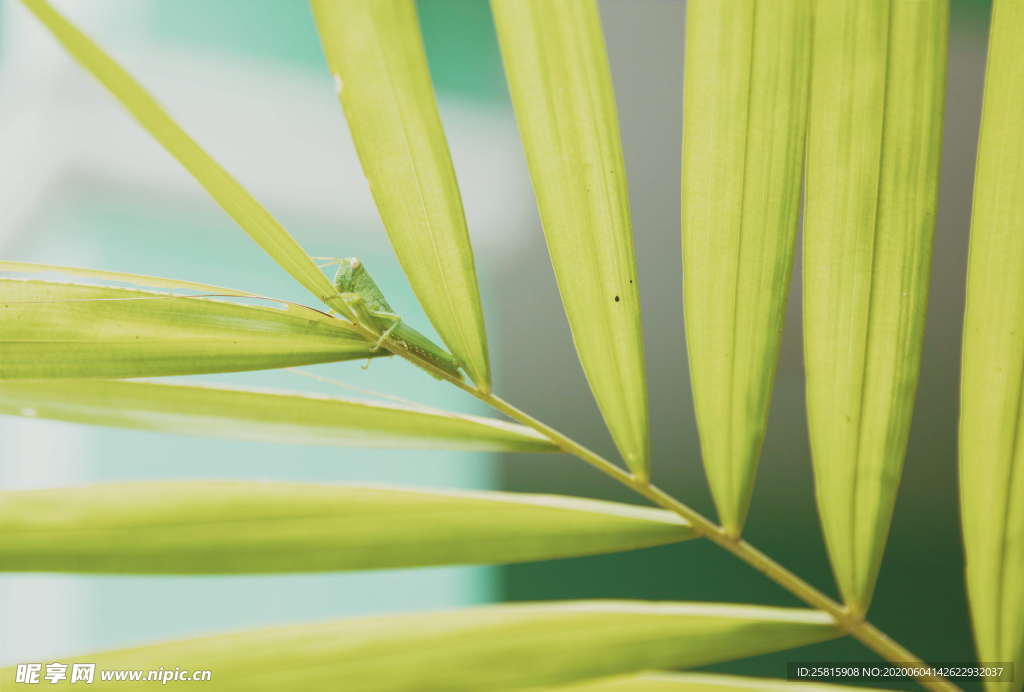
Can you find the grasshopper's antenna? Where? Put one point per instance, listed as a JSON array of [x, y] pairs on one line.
[[328, 261]]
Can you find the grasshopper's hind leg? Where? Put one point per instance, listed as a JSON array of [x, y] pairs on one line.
[[396, 320], [383, 337]]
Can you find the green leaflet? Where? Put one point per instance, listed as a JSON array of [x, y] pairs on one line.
[[50, 329], [744, 121], [232, 527], [656, 681], [225, 190], [872, 169], [992, 379], [375, 53], [561, 89], [263, 416], [122, 277], [490, 648]]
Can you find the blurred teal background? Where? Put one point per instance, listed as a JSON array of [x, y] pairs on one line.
[[85, 187]]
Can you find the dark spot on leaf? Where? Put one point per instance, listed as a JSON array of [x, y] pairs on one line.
[[616, 299]]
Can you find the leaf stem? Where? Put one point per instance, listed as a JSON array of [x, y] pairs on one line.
[[847, 621]]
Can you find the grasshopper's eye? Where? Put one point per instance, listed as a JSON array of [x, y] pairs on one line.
[[354, 263]]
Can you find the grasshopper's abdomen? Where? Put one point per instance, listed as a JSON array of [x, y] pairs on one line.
[[426, 349]]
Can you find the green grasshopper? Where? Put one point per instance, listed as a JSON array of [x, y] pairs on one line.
[[372, 311]]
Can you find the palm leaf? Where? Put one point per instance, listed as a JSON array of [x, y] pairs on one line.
[[872, 170], [561, 89], [745, 102], [992, 380], [262, 416], [54, 330], [375, 52], [225, 190], [233, 527], [497, 647], [121, 277], [60, 330]]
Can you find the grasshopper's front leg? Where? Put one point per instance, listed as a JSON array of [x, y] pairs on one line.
[[371, 319], [362, 314]]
